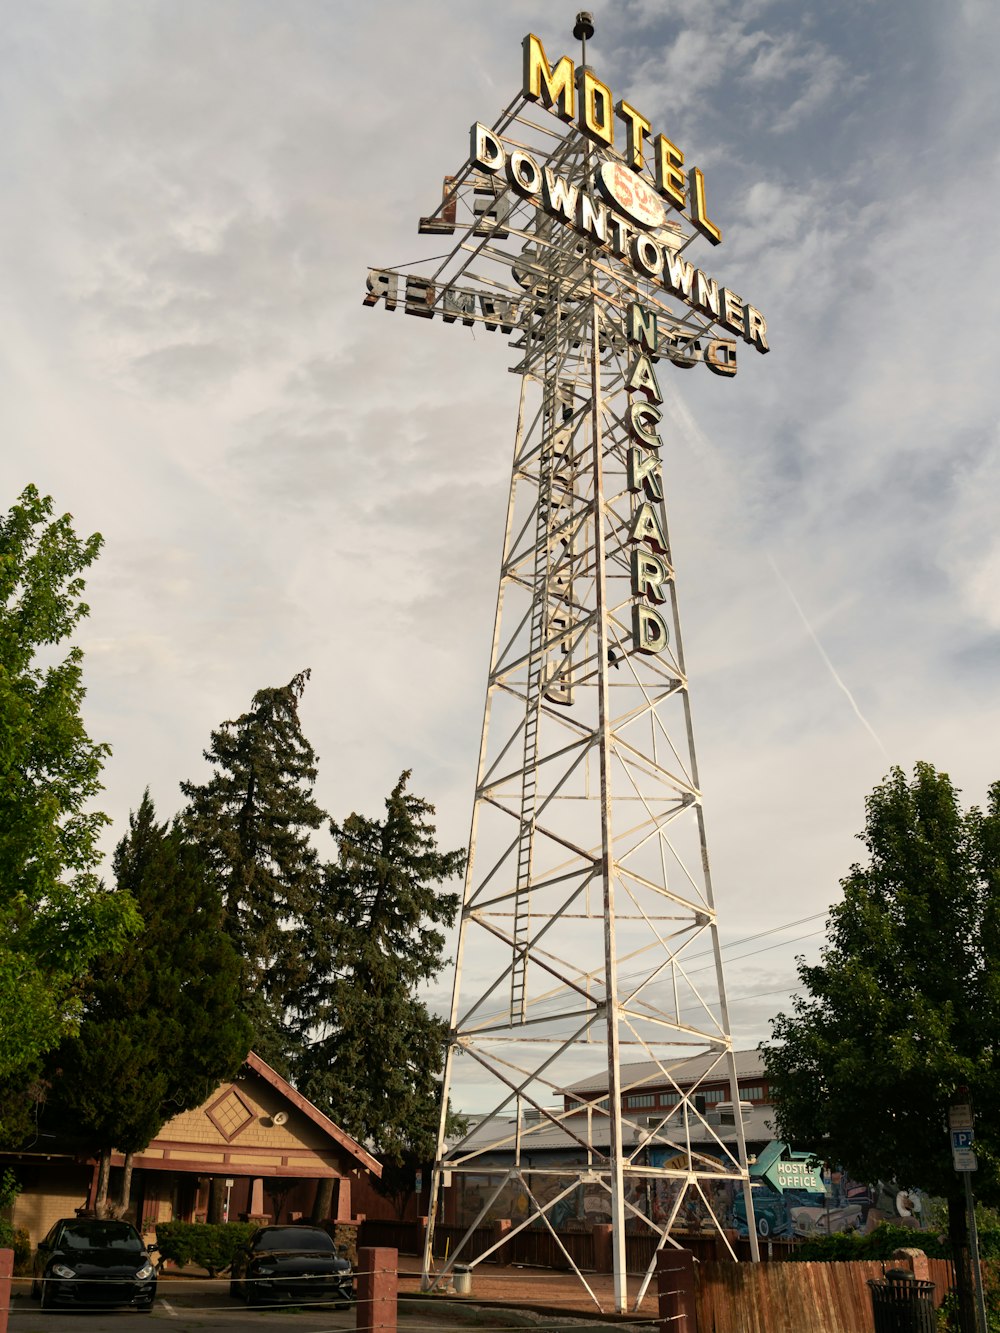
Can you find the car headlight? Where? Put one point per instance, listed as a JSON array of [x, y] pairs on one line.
[[60, 1270], [260, 1271], [147, 1270]]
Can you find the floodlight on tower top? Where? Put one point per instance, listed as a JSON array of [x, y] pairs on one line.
[[588, 878]]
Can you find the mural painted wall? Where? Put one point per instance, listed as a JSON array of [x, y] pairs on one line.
[[790, 1198]]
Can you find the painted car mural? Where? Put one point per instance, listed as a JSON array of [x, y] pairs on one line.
[[769, 1210], [791, 1198]]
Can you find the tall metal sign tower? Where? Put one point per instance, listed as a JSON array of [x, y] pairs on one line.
[[588, 886]]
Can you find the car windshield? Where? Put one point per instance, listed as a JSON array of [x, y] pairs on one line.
[[100, 1236], [293, 1238]]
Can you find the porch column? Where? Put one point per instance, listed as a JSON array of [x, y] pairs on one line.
[[256, 1210]]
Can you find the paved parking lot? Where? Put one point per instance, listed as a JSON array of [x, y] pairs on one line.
[[186, 1305], [193, 1305], [198, 1305]]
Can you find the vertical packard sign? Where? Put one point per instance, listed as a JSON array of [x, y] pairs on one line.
[[647, 538]]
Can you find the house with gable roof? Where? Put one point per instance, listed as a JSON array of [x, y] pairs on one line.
[[268, 1145]]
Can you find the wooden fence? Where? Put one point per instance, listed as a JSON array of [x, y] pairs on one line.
[[770, 1297], [539, 1249], [794, 1298], [401, 1236]]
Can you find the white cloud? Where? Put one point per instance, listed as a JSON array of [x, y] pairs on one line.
[[193, 195]]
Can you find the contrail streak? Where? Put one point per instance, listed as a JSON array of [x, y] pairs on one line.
[[681, 414], [822, 652]]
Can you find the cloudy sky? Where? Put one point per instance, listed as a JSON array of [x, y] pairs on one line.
[[193, 191]]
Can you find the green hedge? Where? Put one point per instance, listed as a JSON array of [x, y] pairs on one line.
[[877, 1244], [212, 1246], [880, 1244]]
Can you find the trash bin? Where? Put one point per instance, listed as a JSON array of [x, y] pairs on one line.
[[902, 1304], [462, 1280]]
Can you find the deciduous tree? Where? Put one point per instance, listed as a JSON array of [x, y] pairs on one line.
[[904, 1006], [54, 915]]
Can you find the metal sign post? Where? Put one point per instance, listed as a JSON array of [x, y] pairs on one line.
[[961, 1128], [588, 908]]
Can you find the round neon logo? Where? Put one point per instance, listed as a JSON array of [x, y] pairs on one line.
[[631, 195]]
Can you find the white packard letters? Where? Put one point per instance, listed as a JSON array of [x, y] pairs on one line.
[[650, 553]]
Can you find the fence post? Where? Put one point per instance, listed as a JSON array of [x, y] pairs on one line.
[[6, 1269], [915, 1260], [675, 1289], [601, 1233], [377, 1289]]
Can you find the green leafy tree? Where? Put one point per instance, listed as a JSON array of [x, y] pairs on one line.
[[254, 818], [372, 1052], [162, 1025], [54, 915], [904, 1006]]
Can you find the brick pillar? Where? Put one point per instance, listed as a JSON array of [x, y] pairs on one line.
[[916, 1261], [6, 1269], [377, 1290], [501, 1226], [603, 1260], [675, 1289]]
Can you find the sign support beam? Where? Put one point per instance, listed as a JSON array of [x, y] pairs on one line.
[[588, 889]]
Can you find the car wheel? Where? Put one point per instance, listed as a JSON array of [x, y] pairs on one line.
[[46, 1294], [763, 1226]]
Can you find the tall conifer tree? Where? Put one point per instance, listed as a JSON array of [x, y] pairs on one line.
[[162, 1024], [372, 1052], [254, 817]]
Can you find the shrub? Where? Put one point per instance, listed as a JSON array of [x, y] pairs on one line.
[[877, 1244], [11, 1237], [948, 1317], [22, 1251], [212, 1246]]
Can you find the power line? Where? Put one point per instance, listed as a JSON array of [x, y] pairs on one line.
[[753, 952], [748, 939]]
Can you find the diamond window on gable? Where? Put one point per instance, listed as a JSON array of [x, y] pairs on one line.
[[230, 1114]]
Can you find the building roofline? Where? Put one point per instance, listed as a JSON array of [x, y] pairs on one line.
[[650, 1074], [303, 1104]]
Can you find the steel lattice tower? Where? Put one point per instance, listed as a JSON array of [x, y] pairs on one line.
[[588, 881]]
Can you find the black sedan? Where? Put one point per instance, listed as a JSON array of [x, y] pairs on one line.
[[292, 1264], [88, 1263]]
